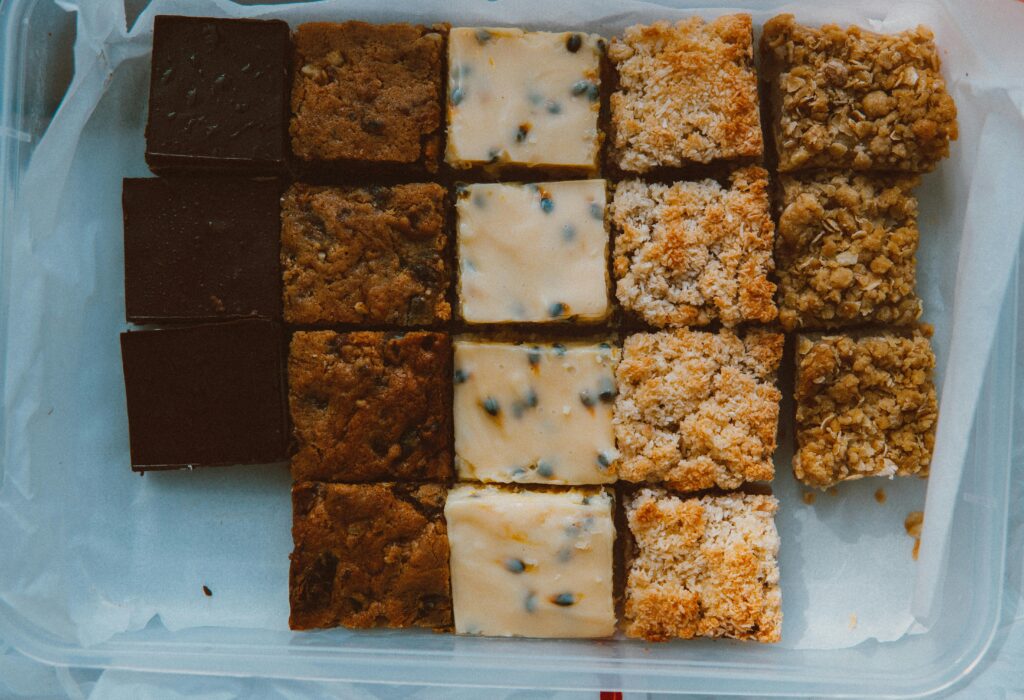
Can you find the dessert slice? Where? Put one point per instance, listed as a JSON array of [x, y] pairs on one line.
[[689, 253], [850, 98], [370, 406], [702, 567], [209, 395], [218, 95], [865, 406], [846, 250], [533, 253], [367, 97], [528, 99], [686, 93], [530, 563], [698, 410], [365, 255], [369, 555], [201, 249], [535, 413]]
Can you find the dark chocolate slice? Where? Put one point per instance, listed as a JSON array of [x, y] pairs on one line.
[[201, 249], [206, 395], [218, 96]]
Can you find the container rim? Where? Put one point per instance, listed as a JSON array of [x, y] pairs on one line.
[[315, 660]]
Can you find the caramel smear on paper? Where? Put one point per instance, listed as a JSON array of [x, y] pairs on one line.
[[913, 524], [809, 497], [880, 495]]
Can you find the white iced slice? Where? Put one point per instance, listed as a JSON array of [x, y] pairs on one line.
[[523, 98], [531, 564], [535, 413], [532, 253]]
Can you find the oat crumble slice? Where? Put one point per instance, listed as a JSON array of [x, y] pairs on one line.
[[702, 567], [850, 98], [689, 253], [686, 93], [846, 250], [698, 410], [864, 407]]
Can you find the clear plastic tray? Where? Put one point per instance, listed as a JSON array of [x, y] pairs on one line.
[[35, 68]]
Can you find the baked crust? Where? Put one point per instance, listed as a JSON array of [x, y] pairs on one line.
[[702, 567], [698, 410], [369, 555], [686, 93], [367, 93], [689, 253], [846, 250], [850, 98], [371, 406], [864, 407], [365, 255]]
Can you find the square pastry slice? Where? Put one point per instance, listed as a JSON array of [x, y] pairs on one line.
[[846, 250], [218, 95], [702, 567], [685, 93], [530, 563], [689, 253], [367, 96], [365, 255], [698, 410], [865, 406], [370, 406], [528, 99], [207, 395], [535, 413], [532, 253], [201, 249], [369, 555], [849, 98]]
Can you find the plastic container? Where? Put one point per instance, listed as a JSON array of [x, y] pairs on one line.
[[36, 39]]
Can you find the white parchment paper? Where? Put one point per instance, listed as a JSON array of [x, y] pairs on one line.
[[91, 550]]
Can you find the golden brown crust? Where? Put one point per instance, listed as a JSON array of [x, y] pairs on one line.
[[690, 253], [369, 555], [364, 255], [371, 406], [367, 93], [686, 94], [698, 410], [864, 407], [849, 98], [703, 567], [846, 251]]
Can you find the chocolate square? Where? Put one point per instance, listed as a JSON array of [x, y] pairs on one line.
[[218, 95]]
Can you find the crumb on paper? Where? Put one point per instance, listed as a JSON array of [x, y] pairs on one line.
[[880, 495], [809, 497], [853, 621], [832, 491], [207, 592], [912, 524]]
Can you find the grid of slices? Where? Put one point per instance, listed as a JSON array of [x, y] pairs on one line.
[[525, 284]]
